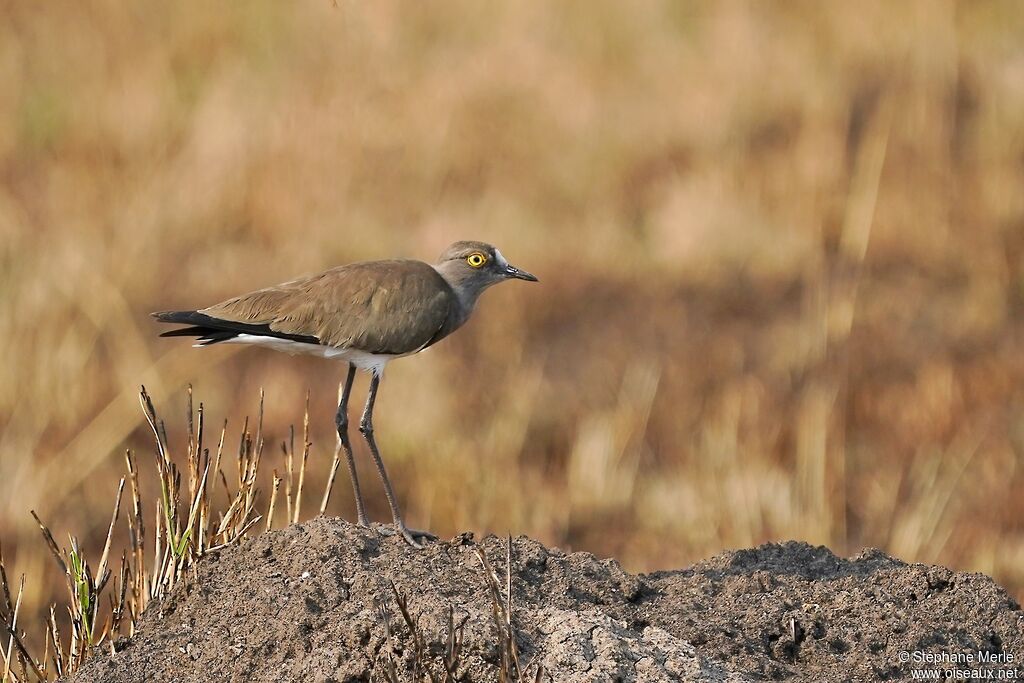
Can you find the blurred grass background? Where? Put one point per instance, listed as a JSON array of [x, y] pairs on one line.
[[781, 248]]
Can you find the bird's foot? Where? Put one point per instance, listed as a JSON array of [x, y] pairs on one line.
[[410, 535]]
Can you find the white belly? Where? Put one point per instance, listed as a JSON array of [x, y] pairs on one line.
[[363, 360]]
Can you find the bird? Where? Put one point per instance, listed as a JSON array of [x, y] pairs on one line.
[[365, 314]]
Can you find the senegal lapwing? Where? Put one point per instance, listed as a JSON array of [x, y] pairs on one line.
[[366, 314]]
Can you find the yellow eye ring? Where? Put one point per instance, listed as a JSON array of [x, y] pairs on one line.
[[476, 259]]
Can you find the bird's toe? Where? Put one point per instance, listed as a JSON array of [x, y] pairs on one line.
[[425, 535], [411, 540], [412, 536]]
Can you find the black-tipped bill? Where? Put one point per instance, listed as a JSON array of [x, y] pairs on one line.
[[513, 272]]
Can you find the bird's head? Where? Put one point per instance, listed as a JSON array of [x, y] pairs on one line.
[[471, 267]]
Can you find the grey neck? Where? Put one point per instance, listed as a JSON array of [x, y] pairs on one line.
[[467, 289]]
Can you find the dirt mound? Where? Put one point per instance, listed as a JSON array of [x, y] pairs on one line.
[[314, 602]]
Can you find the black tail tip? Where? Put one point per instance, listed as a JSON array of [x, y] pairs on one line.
[[174, 316]]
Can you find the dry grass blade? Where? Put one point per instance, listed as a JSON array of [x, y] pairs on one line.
[[136, 539], [273, 500], [391, 673], [159, 557], [102, 572], [453, 647], [117, 607], [329, 488], [302, 465], [259, 420], [288, 449], [50, 543], [335, 462], [24, 658], [53, 631], [13, 612], [15, 642], [508, 604], [450, 659], [217, 459], [419, 647], [154, 424], [241, 533], [5, 588], [510, 668]]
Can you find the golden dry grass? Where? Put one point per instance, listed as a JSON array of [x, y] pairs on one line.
[[781, 249]]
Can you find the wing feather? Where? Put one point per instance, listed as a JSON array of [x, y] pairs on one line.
[[387, 307]]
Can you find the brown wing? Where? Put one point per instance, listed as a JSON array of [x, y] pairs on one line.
[[392, 307]]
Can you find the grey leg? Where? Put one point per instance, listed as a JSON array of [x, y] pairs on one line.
[[366, 427], [341, 420]]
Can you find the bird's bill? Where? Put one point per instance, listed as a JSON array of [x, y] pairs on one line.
[[513, 272]]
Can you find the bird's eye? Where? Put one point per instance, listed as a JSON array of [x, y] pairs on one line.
[[476, 259]]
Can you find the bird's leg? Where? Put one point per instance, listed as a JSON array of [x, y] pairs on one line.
[[341, 420], [366, 427]]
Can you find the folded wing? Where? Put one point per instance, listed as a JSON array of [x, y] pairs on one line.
[[384, 307]]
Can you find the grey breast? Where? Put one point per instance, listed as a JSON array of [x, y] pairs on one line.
[[386, 307]]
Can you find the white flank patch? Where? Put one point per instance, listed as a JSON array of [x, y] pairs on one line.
[[374, 362]]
